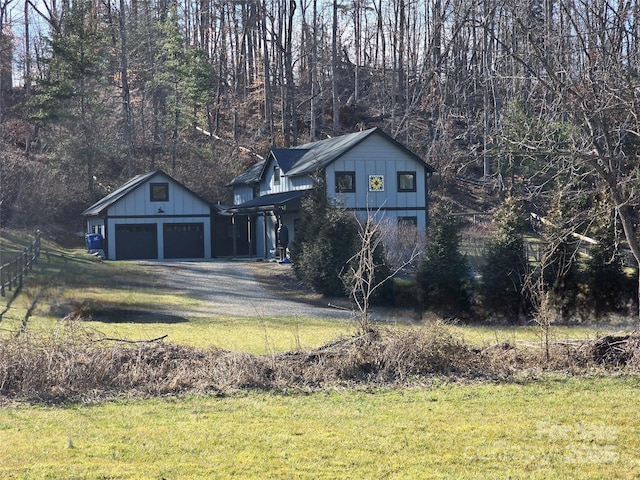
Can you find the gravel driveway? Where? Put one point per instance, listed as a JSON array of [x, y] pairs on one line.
[[229, 288]]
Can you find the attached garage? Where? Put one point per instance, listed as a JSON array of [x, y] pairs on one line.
[[183, 240], [153, 216], [136, 242]]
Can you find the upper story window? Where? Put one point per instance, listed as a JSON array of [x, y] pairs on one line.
[[406, 181], [276, 175], [159, 192], [345, 182]]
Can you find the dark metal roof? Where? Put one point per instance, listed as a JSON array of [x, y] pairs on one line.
[[117, 194], [250, 175], [268, 202], [101, 205], [324, 152], [315, 156], [287, 157]]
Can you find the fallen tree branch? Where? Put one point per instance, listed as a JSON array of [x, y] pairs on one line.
[[124, 340]]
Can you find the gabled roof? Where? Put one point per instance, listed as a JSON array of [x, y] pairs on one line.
[[105, 202], [324, 152], [287, 157], [250, 175], [314, 156]]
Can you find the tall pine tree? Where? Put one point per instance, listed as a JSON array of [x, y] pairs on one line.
[[443, 275], [326, 240], [505, 267]]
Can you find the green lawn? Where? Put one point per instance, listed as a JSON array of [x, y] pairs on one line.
[[553, 428], [484, 335], [70, 277], [66, 279]]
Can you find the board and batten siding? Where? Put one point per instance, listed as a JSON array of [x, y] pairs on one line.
[[268, 184], [138, 202], [376, 156], [136, 208], [95, 225], [242, 193], [287, 184]]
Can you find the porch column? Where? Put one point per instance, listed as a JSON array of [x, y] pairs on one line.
[[234, 235], [250, 235], [266, 235]]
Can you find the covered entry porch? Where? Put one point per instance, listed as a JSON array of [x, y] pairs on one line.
[[270, 220]]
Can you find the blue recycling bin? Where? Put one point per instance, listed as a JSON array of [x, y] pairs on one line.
[[93, 241]]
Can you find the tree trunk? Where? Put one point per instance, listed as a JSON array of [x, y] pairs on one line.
[[314, 72], [622, 207], [357, 29], [288, 64], [127, 125], [266, 65], [487, 69], [334, 69]]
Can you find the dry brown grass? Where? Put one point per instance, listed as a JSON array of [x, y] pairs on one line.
[[72, 364]]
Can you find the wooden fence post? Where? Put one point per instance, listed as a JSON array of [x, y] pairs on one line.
[[11, 274], [20, 269]]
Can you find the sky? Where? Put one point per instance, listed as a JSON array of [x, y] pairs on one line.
[[15, 15]]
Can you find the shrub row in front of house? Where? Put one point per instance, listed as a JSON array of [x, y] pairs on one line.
[[575, 284]]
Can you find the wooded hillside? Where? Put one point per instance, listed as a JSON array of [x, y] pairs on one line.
[[540, 96]]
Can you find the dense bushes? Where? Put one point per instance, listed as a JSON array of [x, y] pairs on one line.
[[338, 254], [581, 280], [606, 286], [443, 276], [325, 241], [505, 264]]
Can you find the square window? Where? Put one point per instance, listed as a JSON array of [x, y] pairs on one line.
[[159, 192], [406, 181], [345, 182], [376, 183], [407, 230], [407, 222]]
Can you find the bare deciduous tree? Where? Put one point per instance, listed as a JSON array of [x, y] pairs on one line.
[[597, 93], [367, 273]]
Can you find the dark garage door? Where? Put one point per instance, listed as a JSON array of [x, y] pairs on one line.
[[136, 242], [183, 240]]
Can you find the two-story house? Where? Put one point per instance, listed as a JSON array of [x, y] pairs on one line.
[[364, 172]]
